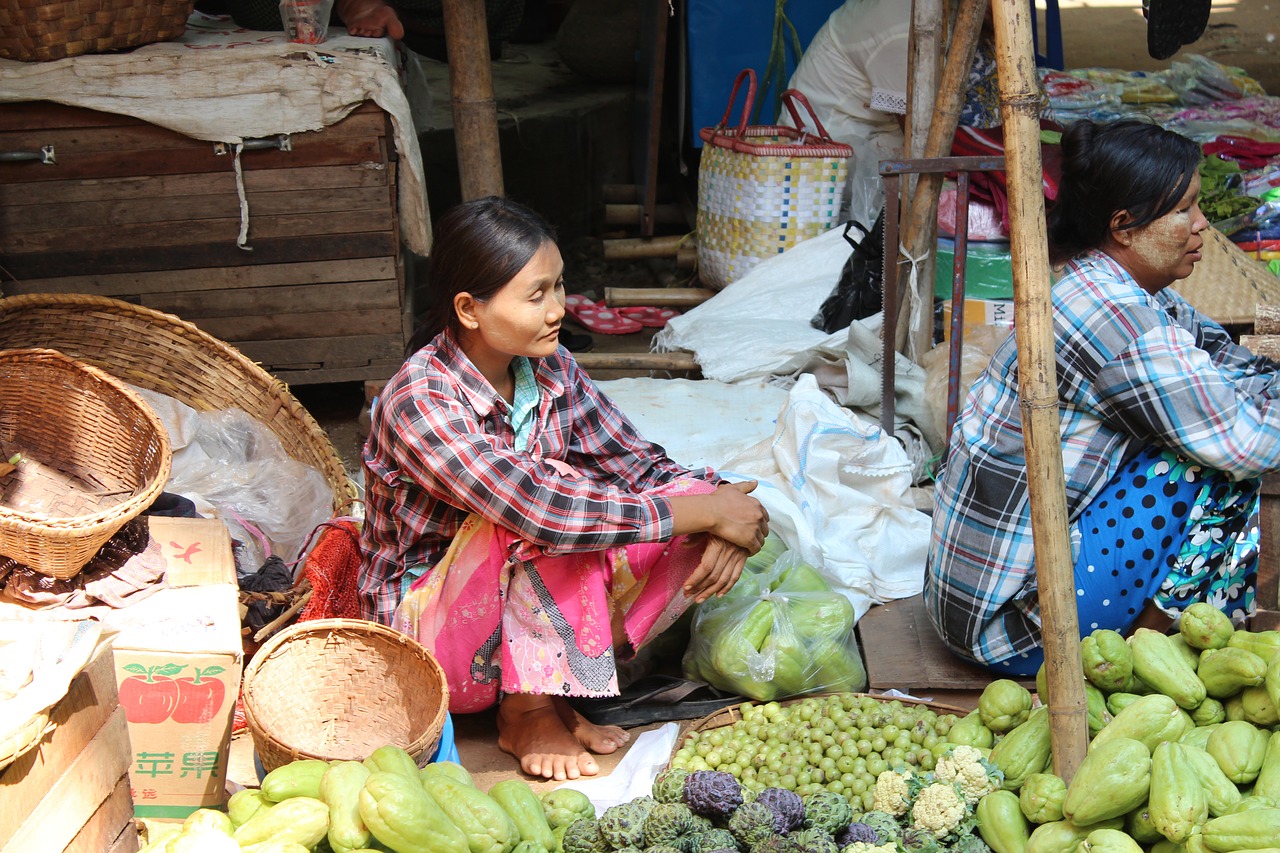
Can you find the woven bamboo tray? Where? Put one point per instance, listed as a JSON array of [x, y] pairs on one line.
[[45, 30], [731, 714], [16, 744], [162, 353], [94, 456], [339, 689]]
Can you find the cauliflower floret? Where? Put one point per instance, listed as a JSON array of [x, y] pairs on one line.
[[891, 794], [864, 847], [965, 767], [939, 808]]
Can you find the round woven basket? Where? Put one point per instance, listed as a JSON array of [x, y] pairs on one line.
[[162, 353], [341, 688], [16, 744], [93, 456]]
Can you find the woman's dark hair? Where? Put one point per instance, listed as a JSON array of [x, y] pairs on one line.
[[479, 246], [1109, 167]]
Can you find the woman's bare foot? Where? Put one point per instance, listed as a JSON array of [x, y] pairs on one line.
[[533, 729], [370, 18]]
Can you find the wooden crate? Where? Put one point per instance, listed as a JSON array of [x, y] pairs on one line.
[[71, 792], [144, 214]]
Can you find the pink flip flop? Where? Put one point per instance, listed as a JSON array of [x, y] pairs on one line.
[[598, 318], [648, 315]]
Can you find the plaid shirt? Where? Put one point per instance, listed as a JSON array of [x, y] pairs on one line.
[[1133, 370], [441, 447]]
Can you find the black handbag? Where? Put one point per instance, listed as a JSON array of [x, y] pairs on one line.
[[859, 293]]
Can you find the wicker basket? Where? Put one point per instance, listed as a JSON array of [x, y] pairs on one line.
[[44, 30], [341, 688], [94, 456], [19, 743], [162, 353]]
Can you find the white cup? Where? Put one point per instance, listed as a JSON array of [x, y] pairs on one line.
[[306, 21]]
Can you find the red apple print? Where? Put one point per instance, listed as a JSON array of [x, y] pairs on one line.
[[151, 694], [199, 698]]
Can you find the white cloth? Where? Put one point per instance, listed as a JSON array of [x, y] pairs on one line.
[[225, 84], [861, 51]]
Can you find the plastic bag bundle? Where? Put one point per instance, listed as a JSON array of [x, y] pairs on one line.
[[781, 631]]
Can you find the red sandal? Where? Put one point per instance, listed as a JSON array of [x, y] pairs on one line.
[[598, 318]]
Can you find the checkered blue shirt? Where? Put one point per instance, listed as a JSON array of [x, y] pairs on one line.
[[1133, 370]]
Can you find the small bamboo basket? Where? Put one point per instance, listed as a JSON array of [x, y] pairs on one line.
[[93, 456], [45, 30], [337, 689]]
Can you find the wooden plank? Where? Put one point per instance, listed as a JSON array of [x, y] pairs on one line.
[[108, 824], [378, 370], [190, 208], [213, 278], [665, 297], [20, 115], [320, 352], [1268, 345], [128, 842], [84, 786], [291, 305], [636, 361], [902, 650], [265, 251], [193, 233], [90, 701], [299, 325], [203, 159], [161, 186]]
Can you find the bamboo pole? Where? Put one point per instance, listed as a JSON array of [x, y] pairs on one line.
[[920, 234], [1037, 388], [475, 112], [661, 297], [682, 361], [926, 46], [630, 248]]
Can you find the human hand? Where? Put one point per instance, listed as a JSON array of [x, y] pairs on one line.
[[717, 571], [739, 518]]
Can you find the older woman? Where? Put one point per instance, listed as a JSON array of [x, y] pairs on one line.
[[1167, 425]]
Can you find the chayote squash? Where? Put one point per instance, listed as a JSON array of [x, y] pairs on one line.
[[1254, 829], [1151, 719], [1159, 662], [1204, 626], [1024, 750], [203, 840], [1117, 702], [970, 731], [244, 804], [276, 847], [448, 769], [340, 791], [1234, 708], [1227, 671], [1107, 660], [1264, 644], [1178, 803], [390, 758], [301, 819], [488, 829], [208, 819], [1268, 782], [1062, 836], [1096, 705], [1001, 822], [296, 779], [1209, 712], [1221, 794], [1041, 797], [1111, 781], [1258, 707], [402, 815], [1138, 825], [1271, 680], [565, 805], [1004, 705], [524, 808], [1239, 748], [1199, 735], [1108, 841]]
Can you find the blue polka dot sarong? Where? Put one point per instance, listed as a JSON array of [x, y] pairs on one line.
[[1166, 530]]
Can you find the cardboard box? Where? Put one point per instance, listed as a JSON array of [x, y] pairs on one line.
[[178, 661], [979, 312], [70, 792]]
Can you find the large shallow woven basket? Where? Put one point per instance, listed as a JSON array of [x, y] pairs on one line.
[[162, 353], [341, 688], [94, 456], [44, 30]]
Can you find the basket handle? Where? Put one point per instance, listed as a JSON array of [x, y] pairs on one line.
[[790, 97], [749, 75]]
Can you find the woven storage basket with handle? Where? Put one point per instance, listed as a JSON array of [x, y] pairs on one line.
[[162, 353], [341, 688], [44, 30], [93, 456], [764, 188]]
